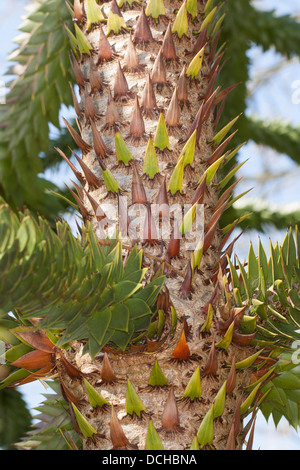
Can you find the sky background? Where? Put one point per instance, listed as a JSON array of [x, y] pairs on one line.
[[271, 98]]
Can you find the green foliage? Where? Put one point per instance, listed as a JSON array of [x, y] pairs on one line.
[[263, 215], [270, 31], [15, 418], [78, 289], [54, 429], [280, 32], [64, 141], [281, 137], [243, 26], [81, 290], [40, 86], [270, 289]]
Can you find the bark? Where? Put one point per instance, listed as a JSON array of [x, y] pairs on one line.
[[122, 82]]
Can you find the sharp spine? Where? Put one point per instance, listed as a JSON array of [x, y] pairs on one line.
[[158, 74], [168, 46], [173, 111], [170, 417], [137, 125], [148, 100], [142, 33]]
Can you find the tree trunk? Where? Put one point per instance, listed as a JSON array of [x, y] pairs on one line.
[[142, 100]]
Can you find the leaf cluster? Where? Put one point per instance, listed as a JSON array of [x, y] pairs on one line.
[[270, 289], [78, 289], [41, 74]]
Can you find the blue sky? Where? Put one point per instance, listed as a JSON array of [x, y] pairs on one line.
[[271, 99]]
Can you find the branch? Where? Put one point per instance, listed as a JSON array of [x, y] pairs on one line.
[[72, 283], [42, 72], [280, 32], [281, 137], [264, 215]]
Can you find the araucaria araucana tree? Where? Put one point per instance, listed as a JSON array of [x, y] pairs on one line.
[[155, 337]]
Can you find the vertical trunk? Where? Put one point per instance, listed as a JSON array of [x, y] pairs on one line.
[[147, 120]]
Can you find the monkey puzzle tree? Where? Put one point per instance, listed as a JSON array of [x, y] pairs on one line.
[[155, 337]]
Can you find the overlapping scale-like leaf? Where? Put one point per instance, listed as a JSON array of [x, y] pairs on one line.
[[269, 287], [40, 86], [73, 285], [55, 429]]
